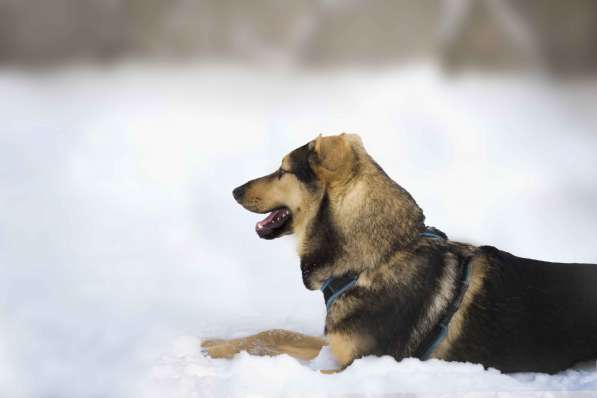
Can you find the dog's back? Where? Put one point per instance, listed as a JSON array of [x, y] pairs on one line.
[[530, 315]]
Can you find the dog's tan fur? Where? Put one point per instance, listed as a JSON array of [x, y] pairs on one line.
[[271, 343]]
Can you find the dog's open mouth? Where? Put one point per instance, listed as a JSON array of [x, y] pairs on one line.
[[274, 225]]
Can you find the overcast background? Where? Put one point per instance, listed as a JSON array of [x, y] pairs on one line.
[[126, 124]]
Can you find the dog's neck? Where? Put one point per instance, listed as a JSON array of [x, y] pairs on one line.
[[358, 228]]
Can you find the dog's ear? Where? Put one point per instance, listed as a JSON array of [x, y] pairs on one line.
[[354, 139], [331, 156]]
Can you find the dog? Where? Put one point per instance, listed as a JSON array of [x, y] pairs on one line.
[[393, 286]]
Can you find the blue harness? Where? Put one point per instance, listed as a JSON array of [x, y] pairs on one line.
[[334, 287]]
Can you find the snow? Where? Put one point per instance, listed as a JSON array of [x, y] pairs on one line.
[[283, 376], [121, 246]]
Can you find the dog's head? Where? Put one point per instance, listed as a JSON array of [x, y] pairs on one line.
[[292, 194]]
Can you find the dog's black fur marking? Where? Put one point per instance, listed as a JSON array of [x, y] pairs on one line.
[[324, 241], [300, 166]]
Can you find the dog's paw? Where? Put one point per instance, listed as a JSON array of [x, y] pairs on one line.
[[218, 349], [212, 342]]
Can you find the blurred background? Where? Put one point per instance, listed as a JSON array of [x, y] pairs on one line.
[[494, 34], [125, 125]]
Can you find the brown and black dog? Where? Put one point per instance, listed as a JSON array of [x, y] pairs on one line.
[[395, 287]]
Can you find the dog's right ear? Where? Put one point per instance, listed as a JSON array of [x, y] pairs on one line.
[[313, 143], [330, 157]]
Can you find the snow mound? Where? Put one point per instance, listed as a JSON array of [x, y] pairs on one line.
[[183, 371]]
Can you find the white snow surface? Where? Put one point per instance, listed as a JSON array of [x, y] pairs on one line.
[[121, 246]]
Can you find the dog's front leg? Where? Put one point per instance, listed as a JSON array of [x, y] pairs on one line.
[[347, 347], [271, 342]]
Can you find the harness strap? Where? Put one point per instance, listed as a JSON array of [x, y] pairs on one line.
[[433, 233], [334, 287], [439, 333], [428, 234]]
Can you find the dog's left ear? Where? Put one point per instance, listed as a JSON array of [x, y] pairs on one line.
[[331, 156]]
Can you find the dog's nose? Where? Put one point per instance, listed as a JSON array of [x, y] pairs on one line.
[[238, 193]]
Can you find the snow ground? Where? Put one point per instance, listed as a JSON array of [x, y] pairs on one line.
[[120, 244]]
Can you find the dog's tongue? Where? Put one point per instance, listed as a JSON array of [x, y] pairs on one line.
[[273, 220]]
